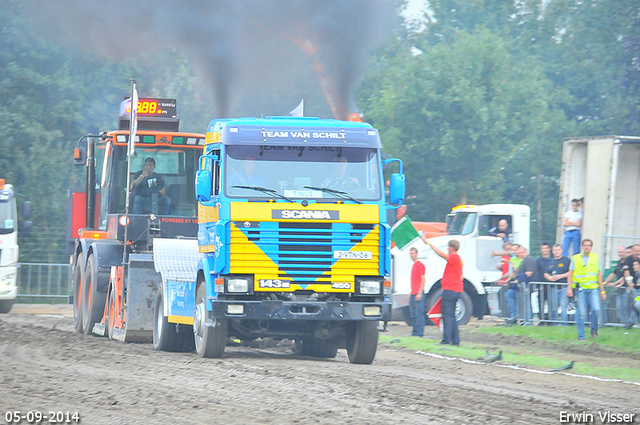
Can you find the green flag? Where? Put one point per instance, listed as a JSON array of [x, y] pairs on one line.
[[403, 232]]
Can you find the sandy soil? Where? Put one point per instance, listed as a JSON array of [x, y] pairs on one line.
[[45, 366]]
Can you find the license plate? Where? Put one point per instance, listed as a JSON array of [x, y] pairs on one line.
[[273, 283], [352, 255]]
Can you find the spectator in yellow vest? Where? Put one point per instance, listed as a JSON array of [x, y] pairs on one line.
[[585, 275]]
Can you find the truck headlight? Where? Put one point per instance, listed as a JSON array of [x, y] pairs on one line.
[[6, 279], [369, 287], [238, 285]]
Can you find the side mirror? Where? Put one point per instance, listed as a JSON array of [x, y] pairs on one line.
[[80, 156], [396, 189], [396, 184], [26, 226], [203, 185], [26, 210]]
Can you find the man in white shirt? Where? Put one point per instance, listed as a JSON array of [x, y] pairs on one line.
[[572, 223]]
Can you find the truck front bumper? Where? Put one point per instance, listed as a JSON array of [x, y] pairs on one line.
[[300, 310], [8, 283]]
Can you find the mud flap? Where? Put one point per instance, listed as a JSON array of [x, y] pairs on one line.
[[141, 283], [177, 262]]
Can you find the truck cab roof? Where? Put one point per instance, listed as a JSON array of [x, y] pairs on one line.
[[293, 131]]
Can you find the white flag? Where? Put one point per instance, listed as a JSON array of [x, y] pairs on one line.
[[133, 126], [298, 111]]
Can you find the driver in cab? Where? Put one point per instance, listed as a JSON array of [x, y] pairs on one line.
[[340, 179], [247, 176], [144, 184]]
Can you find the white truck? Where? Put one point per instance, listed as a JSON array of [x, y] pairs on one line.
[[606, 172], [9, 251], [470, 225]]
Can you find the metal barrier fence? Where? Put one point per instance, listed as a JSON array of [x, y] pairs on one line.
[[547, 302], [44, 280]]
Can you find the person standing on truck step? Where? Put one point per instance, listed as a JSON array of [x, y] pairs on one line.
[[416, 302], [572, 223], [452, 286], [585, 273]]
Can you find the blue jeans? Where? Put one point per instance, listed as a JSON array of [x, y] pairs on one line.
[[571, 236], [559, 299], [588, 305], [449, 301], [515, 301], [418, 318], [140, 204], [622, 306]]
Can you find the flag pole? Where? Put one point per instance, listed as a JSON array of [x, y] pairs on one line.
[[133, 126]]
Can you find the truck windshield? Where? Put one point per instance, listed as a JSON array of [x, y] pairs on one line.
[[303, 172], [461, 223], [173, 181], [7, 219]]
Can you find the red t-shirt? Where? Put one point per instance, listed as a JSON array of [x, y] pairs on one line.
[[504, 261], [452, 277], [417, 271]]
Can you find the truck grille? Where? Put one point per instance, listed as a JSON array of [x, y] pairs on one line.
[[303, 252]]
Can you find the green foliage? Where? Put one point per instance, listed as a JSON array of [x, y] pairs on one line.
[[458, 114], [49, 97]]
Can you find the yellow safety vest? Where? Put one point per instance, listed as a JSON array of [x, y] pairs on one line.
[[586, 275]]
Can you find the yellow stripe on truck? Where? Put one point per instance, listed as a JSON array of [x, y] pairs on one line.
[[360, 267], [349, 213], [247, 258]]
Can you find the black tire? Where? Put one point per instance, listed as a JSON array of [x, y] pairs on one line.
[[210, 341], [78, 278], [93, 301], [5, 306], [165, 334], [316, 348], [362, 341], [464, 307]]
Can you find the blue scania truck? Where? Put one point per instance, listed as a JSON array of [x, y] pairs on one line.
[[293, 240]]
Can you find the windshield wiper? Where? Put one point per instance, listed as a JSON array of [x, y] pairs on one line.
[[265, 190], [340, 193]]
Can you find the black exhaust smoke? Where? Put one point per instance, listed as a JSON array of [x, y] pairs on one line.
[[222, 36]]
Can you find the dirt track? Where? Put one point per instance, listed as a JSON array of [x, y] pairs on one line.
[[45, 366]]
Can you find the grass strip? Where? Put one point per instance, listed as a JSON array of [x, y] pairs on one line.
[[608, 337], [540, 361]]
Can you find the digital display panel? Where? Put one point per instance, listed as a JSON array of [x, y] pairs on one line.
[[148, 107]]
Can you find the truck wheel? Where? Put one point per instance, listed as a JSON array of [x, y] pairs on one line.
[[164, 333], [5, 306], [316, 348], [362, 341], [93, 301], [464, 307], [209, 340], [78, 278]]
